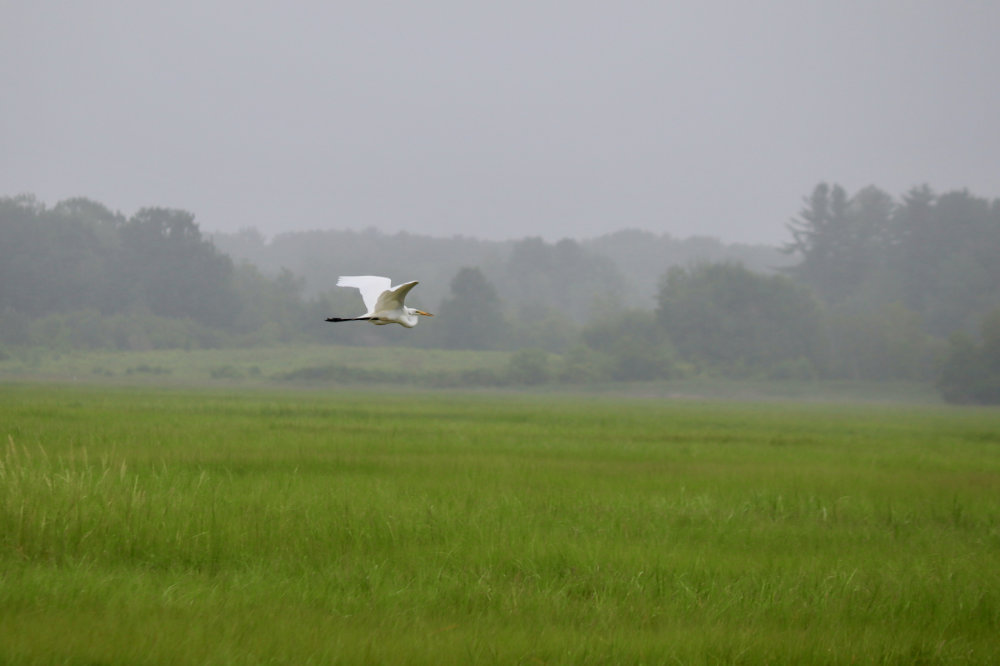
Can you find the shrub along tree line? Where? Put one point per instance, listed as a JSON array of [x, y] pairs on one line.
[[873, 289]]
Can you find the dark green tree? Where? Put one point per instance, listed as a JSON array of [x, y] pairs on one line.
[[946, 258], [842, 241], [883, 343], [632, 346], [174, 271], [563, 276], [49, 261], [727, 317], [273, 309], [472, 316], [971, 372]]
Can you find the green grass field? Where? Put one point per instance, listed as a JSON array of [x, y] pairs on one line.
[[144, 525]]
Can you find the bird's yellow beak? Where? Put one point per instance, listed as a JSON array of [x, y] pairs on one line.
[[426, 314]]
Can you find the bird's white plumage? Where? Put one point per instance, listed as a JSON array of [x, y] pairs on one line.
[[392, 298], [383, 301], [370, 286]]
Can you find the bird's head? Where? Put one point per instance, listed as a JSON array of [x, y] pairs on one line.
[[410, 318]]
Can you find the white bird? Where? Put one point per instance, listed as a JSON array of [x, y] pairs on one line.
[[384, 302]]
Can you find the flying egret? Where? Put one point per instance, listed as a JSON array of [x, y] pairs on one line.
[[384, 302]]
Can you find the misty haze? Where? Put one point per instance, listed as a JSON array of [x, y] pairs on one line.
[[558, 120]]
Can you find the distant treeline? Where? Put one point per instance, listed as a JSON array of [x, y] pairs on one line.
[[528, 273], [80, 275], [866, 288]]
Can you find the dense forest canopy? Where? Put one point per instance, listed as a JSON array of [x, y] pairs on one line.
[[867, 287], [937, 255]]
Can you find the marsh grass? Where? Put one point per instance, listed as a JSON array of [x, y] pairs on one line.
[[242, 366], [178, 526], [331, 367]]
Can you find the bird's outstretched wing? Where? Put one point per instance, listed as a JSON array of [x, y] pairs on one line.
[[392, 299], [370, 286]]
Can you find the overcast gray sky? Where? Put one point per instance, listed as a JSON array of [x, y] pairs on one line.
[[499, 119]]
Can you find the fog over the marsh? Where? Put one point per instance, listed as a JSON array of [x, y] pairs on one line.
[[496, 120]]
